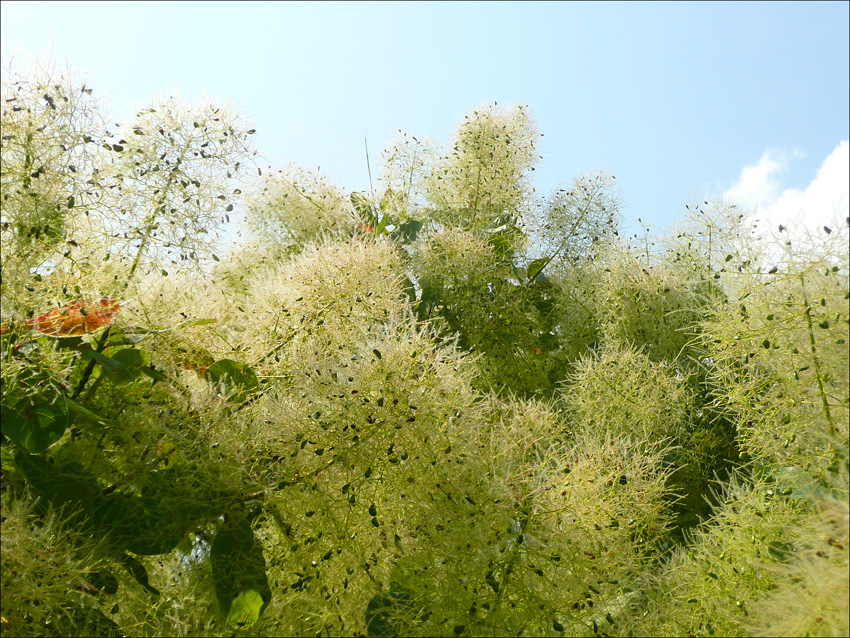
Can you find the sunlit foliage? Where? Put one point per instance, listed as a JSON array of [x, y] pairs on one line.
[[443, 407]]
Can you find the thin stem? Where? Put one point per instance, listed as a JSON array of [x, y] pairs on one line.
[[369, 167], [94, 386], [523, 524], [410, 180], [101, 345], [149, 224], [564, 243], [818, 376]]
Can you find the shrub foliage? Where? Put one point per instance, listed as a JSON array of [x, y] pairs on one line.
[[454, 409]]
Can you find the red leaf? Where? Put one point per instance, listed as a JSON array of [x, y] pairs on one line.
[[77, 318]]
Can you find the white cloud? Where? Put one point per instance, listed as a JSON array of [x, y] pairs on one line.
[[825, 199], [759, 183], [824, 202]]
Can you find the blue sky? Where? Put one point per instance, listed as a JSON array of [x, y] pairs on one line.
[[678, 101]]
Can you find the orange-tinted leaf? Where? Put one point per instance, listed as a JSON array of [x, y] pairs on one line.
[[194, 358], [77, 318], [365, 228]]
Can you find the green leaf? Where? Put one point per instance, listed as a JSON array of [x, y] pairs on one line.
[[35, 426], [175, 489], [501, 245], [544, 304], [138, 571], [536, 267], [410, 289], [133, 360], [430, 294], [80, 410], [156, 375], [143, 526], [381, 228], [103, 580], [408, 230], [385, 613], [113, 368], [100, 581], [126, 340], [430, 297], [378, 616], [781, 551], [239, 570], [90, 621], [238, 379], [72, 343], [361, 203], [365, 210], [246, 608], [70, 487]]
